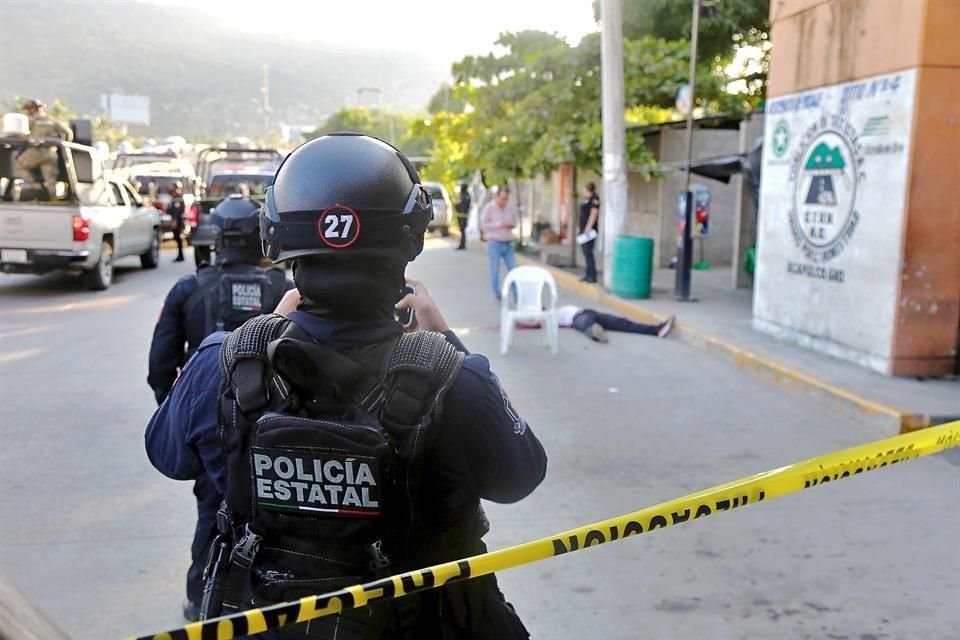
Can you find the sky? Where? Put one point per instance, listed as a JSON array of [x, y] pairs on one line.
[[450, 28]]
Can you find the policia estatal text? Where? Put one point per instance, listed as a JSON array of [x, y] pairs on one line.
[[348, 449]]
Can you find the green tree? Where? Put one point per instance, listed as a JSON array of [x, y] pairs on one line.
[[104, 129], [444, 100], [723, 23], [537, 106], [448, 135], [382, 123], [359, 119], [58, 110], [726, 28]]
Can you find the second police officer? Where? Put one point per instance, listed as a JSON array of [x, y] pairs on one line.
[[353, 446], [218, 297]]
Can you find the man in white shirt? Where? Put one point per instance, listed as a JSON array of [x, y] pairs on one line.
[[595, 325]]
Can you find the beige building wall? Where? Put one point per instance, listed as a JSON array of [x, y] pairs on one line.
[[823, 43]]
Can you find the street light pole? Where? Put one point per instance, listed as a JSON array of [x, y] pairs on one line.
[[614, 132], [685, 264]]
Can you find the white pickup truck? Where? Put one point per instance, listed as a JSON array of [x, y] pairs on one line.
[[89, 221]]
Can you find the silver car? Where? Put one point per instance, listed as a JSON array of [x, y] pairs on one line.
[[442, 208]]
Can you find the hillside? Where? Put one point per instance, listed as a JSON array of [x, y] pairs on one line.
[[201, 79]]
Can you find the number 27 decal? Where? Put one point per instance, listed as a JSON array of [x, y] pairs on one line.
[[339, 226]]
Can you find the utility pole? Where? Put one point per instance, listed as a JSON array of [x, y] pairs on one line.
[[614, 211], [265, 90], [685, 263]]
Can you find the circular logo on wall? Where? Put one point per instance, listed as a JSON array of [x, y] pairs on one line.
[[781, 139], [339, 226], [825, 173]]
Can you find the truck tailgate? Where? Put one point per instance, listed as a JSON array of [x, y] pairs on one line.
[[24, 226]]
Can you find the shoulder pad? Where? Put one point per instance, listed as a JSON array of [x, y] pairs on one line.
[[426, 354], [217, 337], [419, 370], [243, 359], [425, 351], [250, 339]]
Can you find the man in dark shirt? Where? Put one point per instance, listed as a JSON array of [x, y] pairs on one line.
[[176, 210], [463, 212], [587, 238]]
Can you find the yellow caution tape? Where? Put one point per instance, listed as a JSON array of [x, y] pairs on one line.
[[725, 497]]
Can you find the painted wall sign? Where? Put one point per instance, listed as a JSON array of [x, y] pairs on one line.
[[832, 200]]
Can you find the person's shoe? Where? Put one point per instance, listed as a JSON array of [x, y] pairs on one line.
[[589, 280], [191, 611], [664, 328], [178, 259], [598, 333]]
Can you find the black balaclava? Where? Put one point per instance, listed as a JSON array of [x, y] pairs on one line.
[[237, 255], [349, 288]]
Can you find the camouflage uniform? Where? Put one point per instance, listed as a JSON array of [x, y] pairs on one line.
[[43, 158]]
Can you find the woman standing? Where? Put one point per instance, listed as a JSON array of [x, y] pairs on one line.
[[589, 215]]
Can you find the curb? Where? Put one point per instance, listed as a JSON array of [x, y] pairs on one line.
[[760, 366]]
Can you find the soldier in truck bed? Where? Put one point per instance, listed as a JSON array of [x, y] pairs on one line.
[[43, 158]]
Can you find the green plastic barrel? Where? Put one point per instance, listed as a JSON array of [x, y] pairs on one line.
[[632, 267]]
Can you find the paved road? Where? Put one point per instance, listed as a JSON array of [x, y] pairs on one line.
[[100, 540]]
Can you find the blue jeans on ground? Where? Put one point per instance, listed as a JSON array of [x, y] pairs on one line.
[[495, 251], [585, 319]]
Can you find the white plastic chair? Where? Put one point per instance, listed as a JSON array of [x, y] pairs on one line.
[[529, 282]]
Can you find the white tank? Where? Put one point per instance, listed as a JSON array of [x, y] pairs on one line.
[[16, 124]]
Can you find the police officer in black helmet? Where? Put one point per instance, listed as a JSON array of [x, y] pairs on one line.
[[352, 447], [217, 297]]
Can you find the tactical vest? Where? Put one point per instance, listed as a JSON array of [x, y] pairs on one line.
[[43, 126], [233, 294], [324, 465]]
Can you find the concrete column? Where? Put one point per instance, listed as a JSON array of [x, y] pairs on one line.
[[614, 203], [744, 207]]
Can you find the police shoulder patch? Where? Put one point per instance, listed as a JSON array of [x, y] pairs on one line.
[[519, 424]]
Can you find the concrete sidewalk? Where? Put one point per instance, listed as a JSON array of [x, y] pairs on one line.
[[721, 322]]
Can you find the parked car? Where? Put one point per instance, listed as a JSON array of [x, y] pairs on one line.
[[441, 208], [87, 223]]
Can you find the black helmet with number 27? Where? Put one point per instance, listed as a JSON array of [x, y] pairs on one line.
[[347, 194]]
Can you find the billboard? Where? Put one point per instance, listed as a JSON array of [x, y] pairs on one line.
[[127, 109]]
